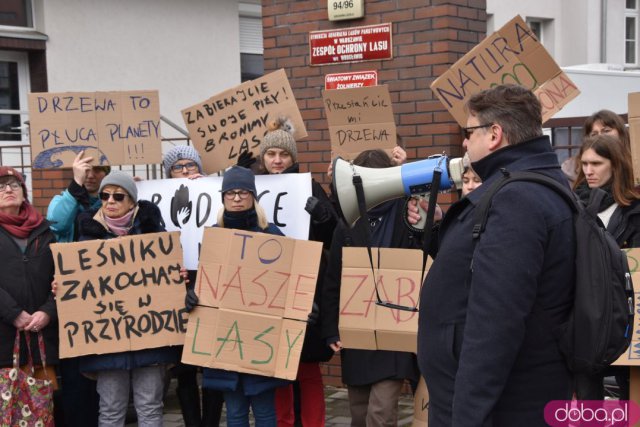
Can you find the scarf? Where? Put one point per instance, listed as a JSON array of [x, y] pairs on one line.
[[21, 225], [119, 226], [584, 192], [245, 220]]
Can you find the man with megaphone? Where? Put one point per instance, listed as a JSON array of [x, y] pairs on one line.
[[487, 307]]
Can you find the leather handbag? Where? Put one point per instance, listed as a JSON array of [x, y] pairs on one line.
[[25, 401]]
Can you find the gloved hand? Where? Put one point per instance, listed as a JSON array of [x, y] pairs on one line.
[[190, 300], [318, 210], [246, 159], [313, 317]]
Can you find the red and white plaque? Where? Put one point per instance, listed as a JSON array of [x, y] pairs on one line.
[[350, 80], [370, 43]]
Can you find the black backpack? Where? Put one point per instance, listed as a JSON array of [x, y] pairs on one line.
[[600, 326]]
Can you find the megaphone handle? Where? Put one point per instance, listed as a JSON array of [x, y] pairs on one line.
[[423, 213]]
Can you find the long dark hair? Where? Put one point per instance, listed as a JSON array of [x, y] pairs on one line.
[[612, 148]]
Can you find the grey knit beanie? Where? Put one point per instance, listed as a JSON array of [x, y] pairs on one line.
[[181, 152], [123, 180], [282, 139]]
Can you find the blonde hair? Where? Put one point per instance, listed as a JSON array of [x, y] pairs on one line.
[[263, 223]]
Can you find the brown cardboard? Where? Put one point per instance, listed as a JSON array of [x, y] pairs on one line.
[[236, 120], [634, 133], [511, 55], [359, 119], [365, 325], [101, 290], [632, 356], [421, 405], [115, 128], [256, 288]]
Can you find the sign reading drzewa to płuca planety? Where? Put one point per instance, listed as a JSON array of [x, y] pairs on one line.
[[355, 44], [120, 294]]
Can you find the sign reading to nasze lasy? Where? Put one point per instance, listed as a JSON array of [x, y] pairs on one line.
[[355, 44], [632, 356], [359, 119], [255, 293], [115, 128], [190, 205], [236, 120], [512, 55], [350, 80], [120, 294], [365, 325]]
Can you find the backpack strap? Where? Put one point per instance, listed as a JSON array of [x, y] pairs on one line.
[[482, 210]]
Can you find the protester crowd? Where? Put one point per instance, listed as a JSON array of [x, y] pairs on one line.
[[486, 307]]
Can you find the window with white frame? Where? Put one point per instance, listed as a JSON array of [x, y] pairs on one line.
[[16, 13], [251, 46], [14, 85], [631, 17]]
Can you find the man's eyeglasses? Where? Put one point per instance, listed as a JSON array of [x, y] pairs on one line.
[[118, 197], [468, 131], [190, 166], [230, 195], [13, 185]]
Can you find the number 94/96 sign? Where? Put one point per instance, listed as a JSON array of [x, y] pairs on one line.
[[345, 9]]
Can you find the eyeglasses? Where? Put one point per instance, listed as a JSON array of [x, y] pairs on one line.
[[603, 131], [13, 185], [230, 195], [468, 131], [118, 197], [189, 166]]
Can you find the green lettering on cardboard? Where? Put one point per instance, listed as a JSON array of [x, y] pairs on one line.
[[237, 340], [193, 343], [290, 346], [257, 338]]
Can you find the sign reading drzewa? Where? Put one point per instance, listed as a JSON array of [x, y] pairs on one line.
[[359, 119], [255, 293], [115, 128], [365, 325], [234, 121], [512, 55], [120, 294]]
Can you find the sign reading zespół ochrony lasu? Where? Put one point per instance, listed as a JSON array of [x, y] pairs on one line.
[[365, 325], [236, 120], [255, 291], [352, 80], [360, 119], [355, 44], [120, 294], [511, 55], [115, 128]]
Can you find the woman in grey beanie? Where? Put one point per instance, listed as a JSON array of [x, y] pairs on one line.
[[183, 161]]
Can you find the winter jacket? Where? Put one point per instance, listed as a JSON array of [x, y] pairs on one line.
[[484, 342], [624, 225], [25, 284], [220, 379], [147, 220], [65, 207], [364, 367]]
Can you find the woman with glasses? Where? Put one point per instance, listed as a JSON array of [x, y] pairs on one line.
[[198, 410], [26, 303], [122, 214], [606, 164], [242, 211], [374, 378]]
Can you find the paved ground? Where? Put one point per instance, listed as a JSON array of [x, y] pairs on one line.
[[335, 398]]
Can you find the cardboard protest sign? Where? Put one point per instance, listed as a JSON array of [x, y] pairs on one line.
[[632, 355], [120, 294], [359, 119], [511, 55], [634, 133], [236, 120], [189, 205], [115, 128], [255, 292], [362, 323]]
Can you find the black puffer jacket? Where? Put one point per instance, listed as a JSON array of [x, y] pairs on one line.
[[25, 284], [624, 225]]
